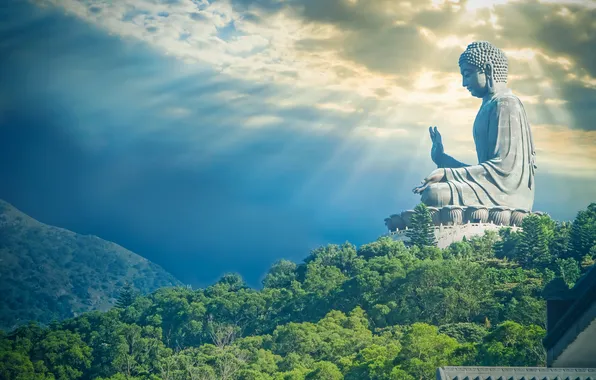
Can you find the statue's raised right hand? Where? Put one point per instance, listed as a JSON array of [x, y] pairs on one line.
[[437, 149]]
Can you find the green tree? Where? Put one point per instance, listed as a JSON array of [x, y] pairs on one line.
[[583, 233], [507, 245], [464, 332], [460, 250], [127, 296], [139, 350], [440, 292], [65, 354], [343, 257], [513, 344], [281, 275], [17, 366], [323, 279], [421, 231], [534, 246], [569, 270], [526, 310], [484, 245], [589, 259], [384, 247], [325, 371], [374, 362], [425, 349], [233, 281], [560, 242]]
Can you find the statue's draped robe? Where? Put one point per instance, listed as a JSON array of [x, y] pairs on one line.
[[504, 175]]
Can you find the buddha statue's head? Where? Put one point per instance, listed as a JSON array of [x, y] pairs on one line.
[[483, 67]]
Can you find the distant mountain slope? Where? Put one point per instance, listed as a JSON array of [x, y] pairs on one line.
[[51, 273]]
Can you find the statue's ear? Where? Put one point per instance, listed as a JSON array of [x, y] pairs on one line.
[[490, 79], [488, 69]]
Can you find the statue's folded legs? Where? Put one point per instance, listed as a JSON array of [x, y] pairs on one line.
[[437, 195]]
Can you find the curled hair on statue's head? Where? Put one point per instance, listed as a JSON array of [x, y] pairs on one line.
[[481, 53]]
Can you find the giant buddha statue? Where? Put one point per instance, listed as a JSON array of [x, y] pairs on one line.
[[504, 174]]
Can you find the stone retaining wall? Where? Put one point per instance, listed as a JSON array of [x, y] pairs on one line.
[[445, 235]]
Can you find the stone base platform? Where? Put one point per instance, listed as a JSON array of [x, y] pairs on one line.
[[460, 215], [445, 235]]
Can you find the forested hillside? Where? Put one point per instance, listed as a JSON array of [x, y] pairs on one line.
[[50, 273], [379, 311]]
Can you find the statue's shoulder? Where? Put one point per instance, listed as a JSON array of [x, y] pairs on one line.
[[506, 100], [505, 97]]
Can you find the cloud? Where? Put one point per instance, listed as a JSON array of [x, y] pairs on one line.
[[565, 30], [556, 143], [262, 121]]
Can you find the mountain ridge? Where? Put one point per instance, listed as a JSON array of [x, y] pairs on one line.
[[49, 272]]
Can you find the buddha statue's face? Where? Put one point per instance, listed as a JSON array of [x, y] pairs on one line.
[[474, 80]]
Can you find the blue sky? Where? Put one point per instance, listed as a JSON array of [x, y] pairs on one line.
[[221, 136]]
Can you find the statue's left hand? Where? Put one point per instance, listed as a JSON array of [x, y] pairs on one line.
[[436, 176]]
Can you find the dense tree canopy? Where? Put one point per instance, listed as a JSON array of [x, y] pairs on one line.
[[382, 311]]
